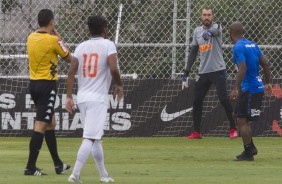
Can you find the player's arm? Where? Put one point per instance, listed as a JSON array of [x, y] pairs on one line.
[[112, 61], [240, 77], [191, 58], [266, 71], [61, 49], [242, 69], [68, 58], [70, 83], [214, 31], [192, 55], [64, 52]]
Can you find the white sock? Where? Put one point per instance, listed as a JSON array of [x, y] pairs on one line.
[[98, 155], [82, 156]]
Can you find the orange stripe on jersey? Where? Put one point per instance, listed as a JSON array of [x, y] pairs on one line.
[[205, 47]]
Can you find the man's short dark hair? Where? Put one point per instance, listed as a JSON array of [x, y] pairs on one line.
[[44, 17], [96, 24], [207, 8]]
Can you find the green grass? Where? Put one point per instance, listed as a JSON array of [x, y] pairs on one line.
[[152, 160]]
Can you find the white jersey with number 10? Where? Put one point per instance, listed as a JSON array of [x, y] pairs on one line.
[[94, 77]]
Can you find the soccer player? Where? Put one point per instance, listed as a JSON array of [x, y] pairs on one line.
[[248, 58], [95, 62], [42, 49], [208, 40]]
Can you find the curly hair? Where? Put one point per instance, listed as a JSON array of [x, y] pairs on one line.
[[96, 24]]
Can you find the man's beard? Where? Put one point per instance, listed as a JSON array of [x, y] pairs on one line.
[[207, 23]]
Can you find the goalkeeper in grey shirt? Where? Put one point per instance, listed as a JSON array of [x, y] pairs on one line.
[[208, 40]]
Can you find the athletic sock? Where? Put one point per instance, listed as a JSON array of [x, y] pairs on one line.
[[35, 145], [51, 142], [82, 156], [98, 156]]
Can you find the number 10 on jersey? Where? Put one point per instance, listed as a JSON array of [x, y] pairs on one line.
[[90, 65]]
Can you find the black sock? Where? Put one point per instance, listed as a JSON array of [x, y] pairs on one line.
[[51, 142], [35, 145]]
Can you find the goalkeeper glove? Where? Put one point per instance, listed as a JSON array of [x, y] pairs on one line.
[[206, 35], [185, 79]]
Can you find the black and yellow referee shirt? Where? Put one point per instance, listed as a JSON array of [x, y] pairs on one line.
[[42, 50]]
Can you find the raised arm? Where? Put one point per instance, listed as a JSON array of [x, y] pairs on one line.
[[62, 50], [216, 31]]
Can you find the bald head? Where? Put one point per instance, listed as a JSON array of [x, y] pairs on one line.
[[237, 28], [236, 31]]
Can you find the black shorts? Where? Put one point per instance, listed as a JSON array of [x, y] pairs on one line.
[[249, 105], [43, 93]]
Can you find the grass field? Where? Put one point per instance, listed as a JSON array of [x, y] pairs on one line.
[[152, 160]]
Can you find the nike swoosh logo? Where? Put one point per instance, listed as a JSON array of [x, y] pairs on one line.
[[168, 117]]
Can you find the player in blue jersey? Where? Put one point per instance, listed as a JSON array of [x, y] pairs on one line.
[[248, 57]]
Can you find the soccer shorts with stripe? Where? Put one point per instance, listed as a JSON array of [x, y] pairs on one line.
[[43, 94]]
